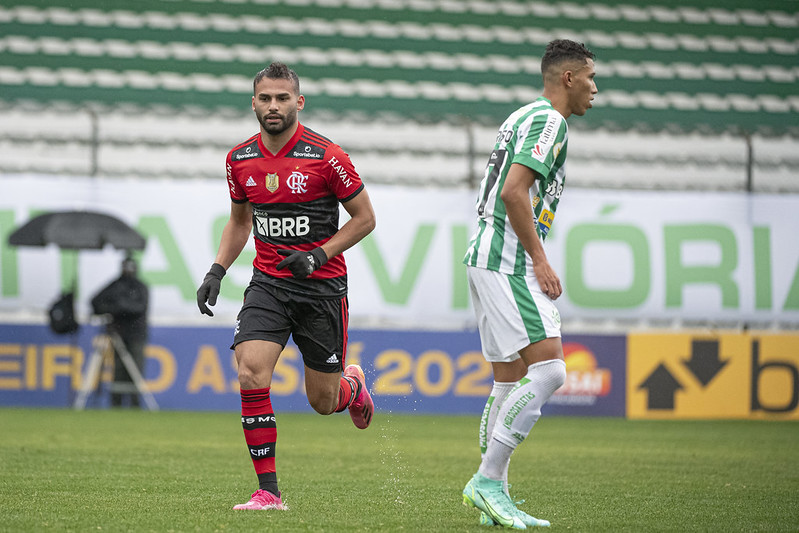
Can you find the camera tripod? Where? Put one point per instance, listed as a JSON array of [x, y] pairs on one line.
[[102, 345]]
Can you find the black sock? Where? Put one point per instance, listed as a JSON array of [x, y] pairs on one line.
[[268, 482]]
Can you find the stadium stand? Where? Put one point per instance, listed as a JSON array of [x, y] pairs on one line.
[[413, 89]]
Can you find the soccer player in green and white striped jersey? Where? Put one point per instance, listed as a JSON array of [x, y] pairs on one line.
[[512, 284]]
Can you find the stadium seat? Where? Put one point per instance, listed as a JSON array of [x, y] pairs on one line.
[[708, 68]]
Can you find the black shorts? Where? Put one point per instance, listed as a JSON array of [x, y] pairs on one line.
[[318, 325]]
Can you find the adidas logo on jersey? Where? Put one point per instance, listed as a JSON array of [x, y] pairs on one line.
[[332, 359], [250, 182]]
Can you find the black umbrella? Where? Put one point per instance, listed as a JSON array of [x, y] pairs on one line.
[[74, 230], [77, 230]]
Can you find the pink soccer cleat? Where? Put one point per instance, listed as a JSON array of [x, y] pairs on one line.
[[362, 407], [261, 500]]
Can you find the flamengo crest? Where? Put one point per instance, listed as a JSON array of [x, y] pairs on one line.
[[297, 182]]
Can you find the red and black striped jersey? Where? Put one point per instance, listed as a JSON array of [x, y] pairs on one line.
[[295, 197]]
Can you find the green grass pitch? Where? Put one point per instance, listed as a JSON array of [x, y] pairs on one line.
[[62, 470]]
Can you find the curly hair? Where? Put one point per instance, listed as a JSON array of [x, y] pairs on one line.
[[277, 71]]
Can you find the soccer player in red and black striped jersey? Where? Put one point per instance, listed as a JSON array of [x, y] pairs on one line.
[[286, 183]]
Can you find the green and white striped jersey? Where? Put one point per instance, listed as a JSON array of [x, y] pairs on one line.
[[535, 136]]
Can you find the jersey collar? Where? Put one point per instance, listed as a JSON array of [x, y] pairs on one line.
[[286, 147]]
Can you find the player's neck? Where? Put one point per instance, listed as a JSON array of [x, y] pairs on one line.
[[559, 101], [275, 143]]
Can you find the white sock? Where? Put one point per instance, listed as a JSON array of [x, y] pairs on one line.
[[495, 462], [499, 392], [519, 413]]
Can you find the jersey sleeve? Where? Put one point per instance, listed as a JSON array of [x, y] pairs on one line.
[[342, 177], [543, 143], [237, 193]]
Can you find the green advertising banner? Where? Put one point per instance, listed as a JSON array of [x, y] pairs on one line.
[[620, 254]]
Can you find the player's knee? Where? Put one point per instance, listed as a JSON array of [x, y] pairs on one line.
[[251, 380], [556, 374], [560, 378], [323, 410]]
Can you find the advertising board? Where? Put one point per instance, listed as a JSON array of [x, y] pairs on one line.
[[192, 368], [619, 254]]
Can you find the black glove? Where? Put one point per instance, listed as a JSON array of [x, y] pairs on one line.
[[209, 289], [302, 264]]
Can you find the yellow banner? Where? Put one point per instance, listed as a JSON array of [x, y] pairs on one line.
[[703, 376]]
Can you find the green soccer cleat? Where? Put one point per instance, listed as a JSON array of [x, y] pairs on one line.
[[527, 520], [485, 520], [487, 495], [531, 521]]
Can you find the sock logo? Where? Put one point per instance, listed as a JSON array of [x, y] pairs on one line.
[[261, 451], [483, 432], [517, 408], [258, 421]]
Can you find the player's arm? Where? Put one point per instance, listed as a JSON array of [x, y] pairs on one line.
[[235, 234], [361, 223], [234, 237], [516, 196]]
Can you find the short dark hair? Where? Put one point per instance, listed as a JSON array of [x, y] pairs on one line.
[[277, 71], [561, 50]]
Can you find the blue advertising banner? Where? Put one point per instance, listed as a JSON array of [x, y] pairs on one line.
[[192, 368], [595, 377]]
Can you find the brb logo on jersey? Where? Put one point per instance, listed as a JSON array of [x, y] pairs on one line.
[[297, 182], [266, 226]]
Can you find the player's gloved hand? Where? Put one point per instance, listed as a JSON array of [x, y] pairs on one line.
[[302, 264], [209, 289]]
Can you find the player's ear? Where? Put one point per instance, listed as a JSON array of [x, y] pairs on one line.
[[253, 103], [566, 77], [300, 102]]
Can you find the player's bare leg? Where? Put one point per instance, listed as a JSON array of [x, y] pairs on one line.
[[328, 393], [324, 390]]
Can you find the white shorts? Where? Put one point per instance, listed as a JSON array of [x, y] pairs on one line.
[[511, 311]]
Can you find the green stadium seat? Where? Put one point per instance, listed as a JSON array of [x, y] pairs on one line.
[[708, 66]]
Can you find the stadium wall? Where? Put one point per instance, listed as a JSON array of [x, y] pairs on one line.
[[710, 257], [687, 375]]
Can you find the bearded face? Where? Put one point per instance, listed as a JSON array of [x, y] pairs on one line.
[[275, 122], [276, 105]]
